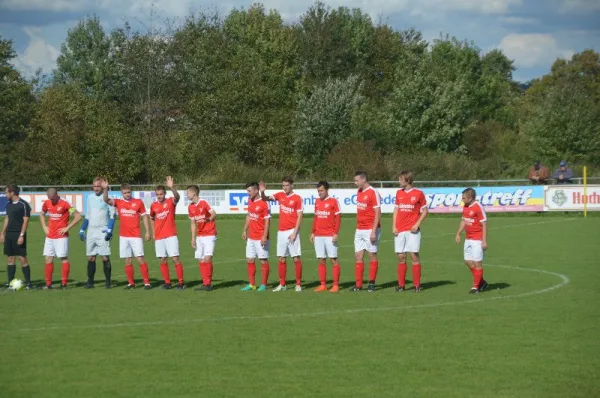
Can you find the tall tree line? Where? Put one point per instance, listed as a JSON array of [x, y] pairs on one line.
[[229, 98]]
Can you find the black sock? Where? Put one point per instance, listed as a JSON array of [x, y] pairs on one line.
[[27, 274], [11, 269], [91, 271], [107, 270]]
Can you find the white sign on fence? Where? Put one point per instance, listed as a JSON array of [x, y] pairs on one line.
[[571, 198]]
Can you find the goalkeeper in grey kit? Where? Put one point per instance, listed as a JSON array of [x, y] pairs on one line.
[[96, 231]]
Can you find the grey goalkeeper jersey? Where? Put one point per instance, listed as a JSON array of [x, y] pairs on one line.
[[98, 211]]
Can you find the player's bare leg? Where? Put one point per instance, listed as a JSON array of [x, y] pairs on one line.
[[48, 271], [107, 267], [373, 265], [282, 272], [164, 270], [359, 270], [298, 272], [145, 272], [207, 262]]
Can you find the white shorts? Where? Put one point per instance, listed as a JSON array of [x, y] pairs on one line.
[[95, 245], [407, 242], [254, 249], [131, 247], [325, 248], [362, 240], [56, 247], [205, 246], [167, 247], [473, 250], [286, 248]]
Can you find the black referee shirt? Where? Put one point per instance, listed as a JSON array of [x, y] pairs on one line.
[[15, 212]]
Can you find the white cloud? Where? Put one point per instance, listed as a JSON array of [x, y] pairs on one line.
[[519, 21], [38, 53], [46, 5], [580, 6], [533, 49]]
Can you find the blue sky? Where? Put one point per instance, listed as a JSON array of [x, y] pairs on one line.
[[532, 33]]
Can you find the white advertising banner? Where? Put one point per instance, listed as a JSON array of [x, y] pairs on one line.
[[571, 198]]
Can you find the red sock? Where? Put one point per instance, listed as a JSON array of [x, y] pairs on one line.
[[209, 272], [202, 266], [358, 273], [323, 273], [298, 268], [282, 268], [145, 273], [252, 273], [264, 270], [66, 267], [402, 274], [48, 271], [179, 272], [477, 276], [416, 271], [129, 273], [164, 270], [373, 266], [336, 274], [472, 271]]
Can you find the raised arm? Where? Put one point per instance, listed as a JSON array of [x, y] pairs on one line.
[[171, 186], [108, 200], [262, 188]]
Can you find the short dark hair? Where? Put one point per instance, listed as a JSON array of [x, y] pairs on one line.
[[252, 184], [194, 188], [160, 188], [408, 176], [361, 173], [470, 192], [287, 179], [52, 189], [323, 184], [125, 186], [13, 188]]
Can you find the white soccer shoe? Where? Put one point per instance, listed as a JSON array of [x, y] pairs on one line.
[[280, 288], [298, 288]]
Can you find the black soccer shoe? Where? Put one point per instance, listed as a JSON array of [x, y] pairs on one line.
[[107, 285], [129, 287], [474, 290], [355, 289], [88, 286], [204, 288], [371, 287], [180, 286], [147, 287], [47, 287], [63, 286], [483, 285], [417, 289], [29, 286], [166, 286], [399, 289]]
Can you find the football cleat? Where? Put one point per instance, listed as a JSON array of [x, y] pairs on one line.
[[29, 286], [334, 289], [298, 288], [474, 290], [180, 286], [399, 289], [204, 288], [262, 288], [417, 289], [371, 287], [355, 289], [47, 287], [321, 288], [483, 285], [130, 286], [88, 286], [147, 286], [280, 288], [248, 288], [63, 286], [166, 286]]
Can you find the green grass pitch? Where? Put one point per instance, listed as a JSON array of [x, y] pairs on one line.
[[536, 333]]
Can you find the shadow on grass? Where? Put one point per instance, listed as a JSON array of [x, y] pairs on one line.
[[228, 284], [424, 285], [498, 286]]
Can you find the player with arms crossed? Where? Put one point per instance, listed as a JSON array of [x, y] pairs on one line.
[[409, 212], [288, 234], [57, 234], [166, 244], [204, 235], [14, 234], [130, 235], [96, 231], [474, 223], [326, 226], [256, 235], [368, 230]]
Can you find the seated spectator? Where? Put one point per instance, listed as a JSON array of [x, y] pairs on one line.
[[538, 173], [563, 175]]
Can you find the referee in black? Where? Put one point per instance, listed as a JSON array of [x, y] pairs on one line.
[[14, 233]]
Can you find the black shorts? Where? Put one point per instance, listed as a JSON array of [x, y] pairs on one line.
[[12, 248]]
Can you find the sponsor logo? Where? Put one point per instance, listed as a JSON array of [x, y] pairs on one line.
[[162, 215], [238, 201], [559, 198]]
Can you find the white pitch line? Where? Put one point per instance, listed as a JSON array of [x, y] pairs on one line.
[[564, 280]]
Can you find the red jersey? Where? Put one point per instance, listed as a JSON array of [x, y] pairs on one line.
[[58, 217], [129, 216], [366, 203], [409, 204], [199, 212], [473, 216], [327, 217], [289, 207], [258, 211], [163, 215]]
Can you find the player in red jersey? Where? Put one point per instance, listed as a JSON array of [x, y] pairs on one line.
[[409, 212], [204, 234], [131, 245], [166, 244], [256, 235], [474, 223], [368, 230], [57, 234], [326, 226], [288, 234]]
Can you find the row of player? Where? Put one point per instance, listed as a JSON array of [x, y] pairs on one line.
[[409, 213]]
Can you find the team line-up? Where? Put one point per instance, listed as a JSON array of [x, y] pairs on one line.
[[409, 213]]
